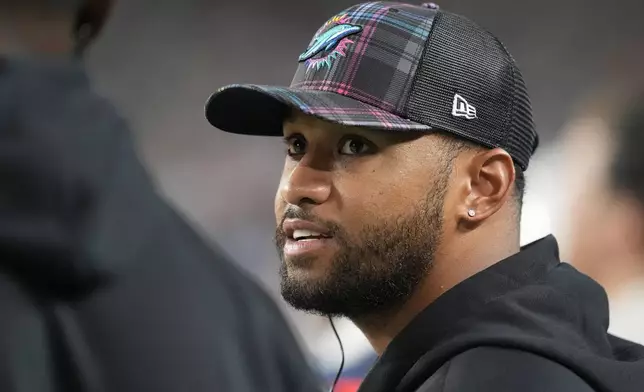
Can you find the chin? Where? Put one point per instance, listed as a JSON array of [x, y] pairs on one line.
[[310, 272]]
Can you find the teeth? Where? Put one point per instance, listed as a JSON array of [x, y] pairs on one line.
[[299, 234]]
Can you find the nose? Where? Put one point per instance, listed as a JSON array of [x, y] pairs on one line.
[[306, 185]]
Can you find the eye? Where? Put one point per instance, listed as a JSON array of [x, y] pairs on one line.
[[355, 146], [295, 145]]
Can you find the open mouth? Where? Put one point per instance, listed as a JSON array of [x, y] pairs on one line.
[[307, 235], [305, 238]]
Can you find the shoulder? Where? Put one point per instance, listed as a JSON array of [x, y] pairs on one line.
[[503, 370]]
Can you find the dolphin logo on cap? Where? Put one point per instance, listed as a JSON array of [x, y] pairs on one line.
[[329, 39]]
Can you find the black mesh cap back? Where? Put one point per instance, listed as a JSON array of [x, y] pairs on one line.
[[462, 58]]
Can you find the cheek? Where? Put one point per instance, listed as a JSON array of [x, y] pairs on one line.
[[376, 197], [279, 202]]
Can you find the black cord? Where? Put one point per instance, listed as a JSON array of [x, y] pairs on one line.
[[337, 377]]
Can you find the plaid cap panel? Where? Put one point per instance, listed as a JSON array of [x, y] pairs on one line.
[[376, 65], [337, 108]]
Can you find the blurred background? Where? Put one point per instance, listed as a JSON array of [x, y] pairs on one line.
[[160, 60]]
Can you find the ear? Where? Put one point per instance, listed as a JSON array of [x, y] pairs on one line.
[[490, 175]]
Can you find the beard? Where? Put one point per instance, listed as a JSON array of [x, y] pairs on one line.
[[376, 270]]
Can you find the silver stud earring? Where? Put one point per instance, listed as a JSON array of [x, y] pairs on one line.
[[471, 213]]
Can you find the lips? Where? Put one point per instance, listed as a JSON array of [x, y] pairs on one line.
[[305, 238], [301, 230]]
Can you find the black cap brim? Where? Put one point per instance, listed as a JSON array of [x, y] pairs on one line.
[[261, 110]]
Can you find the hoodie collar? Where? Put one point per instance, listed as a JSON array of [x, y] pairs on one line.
[[436, 322]]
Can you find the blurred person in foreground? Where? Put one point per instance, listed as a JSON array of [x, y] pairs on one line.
[[604, 146], [407, 131], [103, 286]]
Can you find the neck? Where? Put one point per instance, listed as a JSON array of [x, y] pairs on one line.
[[35, 36], [453, 263]]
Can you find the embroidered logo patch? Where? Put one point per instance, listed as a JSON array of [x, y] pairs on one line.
[[460, 108], [332, 43]]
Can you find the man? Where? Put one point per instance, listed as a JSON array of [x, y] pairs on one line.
[[407, 131], [603, 145], [103, 286]]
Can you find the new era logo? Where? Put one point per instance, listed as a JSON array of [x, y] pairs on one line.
[[460, 108]]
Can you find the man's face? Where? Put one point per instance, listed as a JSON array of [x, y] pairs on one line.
[[359, 216]]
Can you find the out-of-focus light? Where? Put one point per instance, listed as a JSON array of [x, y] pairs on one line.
[[535, 220]]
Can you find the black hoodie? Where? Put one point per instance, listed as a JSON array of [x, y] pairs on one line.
[[528, 323], [103, 285]]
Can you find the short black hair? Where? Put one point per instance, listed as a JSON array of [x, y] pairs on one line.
[[456, 145], [627, 168]]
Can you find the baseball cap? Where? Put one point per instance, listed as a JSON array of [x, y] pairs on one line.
[[395, 67]]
